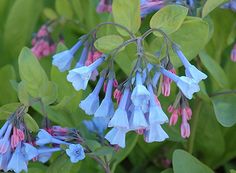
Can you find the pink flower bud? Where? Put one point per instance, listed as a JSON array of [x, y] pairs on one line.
[[233, 54], [174, 118], [140, 131]]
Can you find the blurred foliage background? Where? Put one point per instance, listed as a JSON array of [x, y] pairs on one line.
[[213, 138]]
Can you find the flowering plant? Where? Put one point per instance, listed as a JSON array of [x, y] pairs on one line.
[[118, 86]]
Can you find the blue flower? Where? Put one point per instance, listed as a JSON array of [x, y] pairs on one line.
[[45, 138], [79, 77], [187, 85], [29, 151], [97, 124], [44, 153], [155, 133], [4, 159], [116, 136], [63, 59], [140, 94], [18, 162], [91, 103], [156, 78], [137, 119], [5, 141], [75, 152], [83, 58], [190, 70], [106, 109], [120, 118], [156, 114], [4, 128]]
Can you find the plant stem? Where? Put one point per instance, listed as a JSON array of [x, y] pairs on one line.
[[194, 125], [223, 93]]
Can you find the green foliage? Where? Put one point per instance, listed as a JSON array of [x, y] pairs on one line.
[[31, 124], [169, 18], [183, 162], [211, 5], [127, 13], [7, 110]]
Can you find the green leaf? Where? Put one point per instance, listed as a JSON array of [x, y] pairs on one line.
[[23, 95], [20, 24], [7, 92], [93, 144], [168, 171], [50, 13], [62, 164], [232, 171], [184, 162], [169, 18], [224, 107], [31, 72], [210, 5], [7, 110], [34, 167], [108, 43], [127, 13], [48, 92], [215, 70], [104, 151], [64, 9], [31, 124]]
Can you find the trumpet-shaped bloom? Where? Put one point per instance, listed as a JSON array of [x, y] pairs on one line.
[[155, 133], [4, 159], [44, 153], [4, 128], [18, 162], [106, 109], [97, 124], [91, 103], [5, 141], [137, 119], [116, 136], [63, 59], [82, 59], [45, 138], [140, 94], [29, 151], [79, 77], [120, 118], [187, 85], [75, 152], [190, 70]]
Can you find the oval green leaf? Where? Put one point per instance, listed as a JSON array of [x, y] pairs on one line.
[[169, 18], [108, 43], [7, 110], [31, 124], [184, 162], [224, 107], [127, 13], [210, 5]]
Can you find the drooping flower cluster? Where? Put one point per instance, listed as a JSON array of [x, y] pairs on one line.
[[230, 5], [42, 43], [138, 107], [18, 147]]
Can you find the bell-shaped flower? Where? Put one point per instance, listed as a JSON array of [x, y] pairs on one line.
[[4, 159], [155, 133], [29, 151], [116, 136], [79, 77], [83, 58], [137, 119], [190, 70], [120, 118], [75, 152], [5, 141], [91, 103], [156, 114], [4, 128], [106, 109], [187, 85], [18, 162], [44, 137], [45, 153], [62, 60], [97, 124], [140, 94]]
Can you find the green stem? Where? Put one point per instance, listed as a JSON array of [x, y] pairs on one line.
[[223, 93], [194, 124]]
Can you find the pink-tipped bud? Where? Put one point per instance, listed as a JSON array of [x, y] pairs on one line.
[[14, 141], [174, 118], [165, 89], [115, 83], [233, 53], [20, 134], [104, 87], [157, 101], [117, 95], [185, 127], [170, 109], [43, 31], [189, 113]]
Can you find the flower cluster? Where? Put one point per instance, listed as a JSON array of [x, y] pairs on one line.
[[138, 107], [18, 147], [230, 5]]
